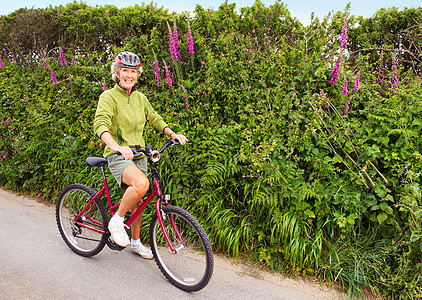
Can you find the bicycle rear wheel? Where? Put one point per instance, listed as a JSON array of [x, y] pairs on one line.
[[85, 235], [191, 267]]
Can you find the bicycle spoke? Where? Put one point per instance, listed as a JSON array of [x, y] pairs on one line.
[[86, 235], [190, 267]]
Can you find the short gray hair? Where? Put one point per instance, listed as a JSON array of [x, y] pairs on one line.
[[115, 72], [115, 68]]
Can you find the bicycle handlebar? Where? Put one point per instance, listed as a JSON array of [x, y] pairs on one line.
[[148, 151]]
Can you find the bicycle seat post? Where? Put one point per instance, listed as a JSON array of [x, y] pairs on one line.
[[102, 172]]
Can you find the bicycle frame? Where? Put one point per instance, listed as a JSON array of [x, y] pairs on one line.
[[156, 193]]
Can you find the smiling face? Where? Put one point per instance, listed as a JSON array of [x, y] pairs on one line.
[[128, 78]]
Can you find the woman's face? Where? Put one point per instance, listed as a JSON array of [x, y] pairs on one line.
[[128, 77]]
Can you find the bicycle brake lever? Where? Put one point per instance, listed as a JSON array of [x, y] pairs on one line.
[[171, 142]]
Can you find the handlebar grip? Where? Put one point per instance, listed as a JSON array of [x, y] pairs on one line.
[[136, 150]]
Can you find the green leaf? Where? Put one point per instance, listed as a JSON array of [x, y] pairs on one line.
[[382, 217], [416, 235], [380, 190], [370, 200], [310, 213], [386, 208]]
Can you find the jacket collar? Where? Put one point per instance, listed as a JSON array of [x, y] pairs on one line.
[[123, 90]]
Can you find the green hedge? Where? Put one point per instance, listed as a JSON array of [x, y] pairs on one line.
[[282, 166]]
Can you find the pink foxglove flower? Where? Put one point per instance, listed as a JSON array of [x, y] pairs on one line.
[[334, 72], [186, 102], [53, 77], [157, 70], [357, 83], [176, 41], [190, 41], [343, 45], [395, 84], [343, 39], [104, 85], [169, 78], [381, 73], [62, 61], [171, 43], [1, 64], [345, 90]]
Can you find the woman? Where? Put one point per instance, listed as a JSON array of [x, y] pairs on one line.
[[120, 118]]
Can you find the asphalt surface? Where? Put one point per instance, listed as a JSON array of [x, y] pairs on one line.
[[35, 263]]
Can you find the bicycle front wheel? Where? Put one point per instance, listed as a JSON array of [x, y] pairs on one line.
[[83, 233], [191, 266]]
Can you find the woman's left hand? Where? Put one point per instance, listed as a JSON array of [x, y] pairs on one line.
[[180, 137]]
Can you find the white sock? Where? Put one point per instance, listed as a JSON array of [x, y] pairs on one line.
[[118, 218], [135, 242]]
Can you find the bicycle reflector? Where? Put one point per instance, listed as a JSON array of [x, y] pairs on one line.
[[155, 156]]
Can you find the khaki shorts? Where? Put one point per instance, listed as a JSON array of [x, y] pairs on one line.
[[117, 164]]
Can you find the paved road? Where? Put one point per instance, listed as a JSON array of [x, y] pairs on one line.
[[35, 263]]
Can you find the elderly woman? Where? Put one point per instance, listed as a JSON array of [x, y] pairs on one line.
[[120, 118]]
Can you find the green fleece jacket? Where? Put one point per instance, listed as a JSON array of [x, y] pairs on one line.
[[124, 117]]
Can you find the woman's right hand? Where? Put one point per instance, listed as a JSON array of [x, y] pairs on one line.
[[125, 151]]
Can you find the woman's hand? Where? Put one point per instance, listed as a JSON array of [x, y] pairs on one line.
[[125, 151], [175, 136], [180, 137]]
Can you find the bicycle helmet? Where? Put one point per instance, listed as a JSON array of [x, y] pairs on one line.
[[128, 59]]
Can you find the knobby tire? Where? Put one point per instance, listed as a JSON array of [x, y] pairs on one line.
[[191, 268], [81, 240]]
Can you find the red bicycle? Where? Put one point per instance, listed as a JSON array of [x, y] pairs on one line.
[[180, 246]]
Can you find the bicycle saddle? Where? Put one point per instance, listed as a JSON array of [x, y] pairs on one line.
[[95, 161]]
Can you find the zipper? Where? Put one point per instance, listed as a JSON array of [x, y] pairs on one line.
[[134, 117]]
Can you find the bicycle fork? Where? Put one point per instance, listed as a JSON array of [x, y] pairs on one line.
[[173, 224]]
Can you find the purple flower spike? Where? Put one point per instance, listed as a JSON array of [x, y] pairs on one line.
[[53, 77], [381, 78], [345, 90], [343, 40], [357, 83], [1, 64], [190, 41], [334, 72], [176, 42], [395, 85], [62, 61], [169, 78], [172, 51], [157, 70]]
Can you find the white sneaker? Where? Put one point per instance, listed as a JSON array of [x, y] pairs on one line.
[[142, 251], [118, 233]]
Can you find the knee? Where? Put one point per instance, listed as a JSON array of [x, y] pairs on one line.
[[141, 187]]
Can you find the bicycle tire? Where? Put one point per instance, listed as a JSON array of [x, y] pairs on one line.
[[191, 268], [83, 241]]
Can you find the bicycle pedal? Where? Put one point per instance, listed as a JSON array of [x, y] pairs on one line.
[[113, 246]]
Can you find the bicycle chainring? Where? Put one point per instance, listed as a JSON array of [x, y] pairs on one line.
[[112, 245]]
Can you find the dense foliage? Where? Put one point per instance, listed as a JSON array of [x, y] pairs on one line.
[[304, 142]]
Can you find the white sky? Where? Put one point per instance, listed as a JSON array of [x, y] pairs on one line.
[[300, 9]]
